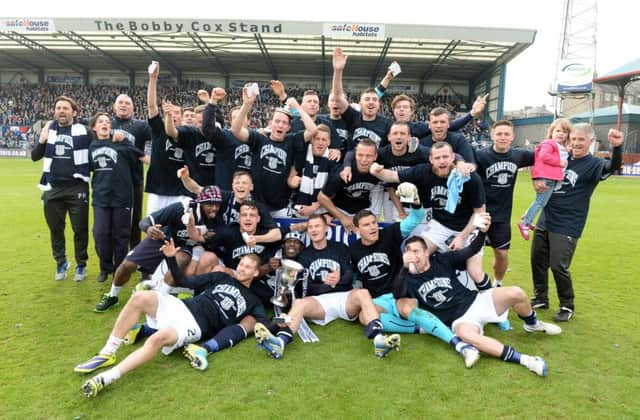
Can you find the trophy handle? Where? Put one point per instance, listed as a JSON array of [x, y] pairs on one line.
[[304, 278]]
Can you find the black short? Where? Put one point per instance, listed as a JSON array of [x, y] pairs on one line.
[[147, 254], [499, 235]]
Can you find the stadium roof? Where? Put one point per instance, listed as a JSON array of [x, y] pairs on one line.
[[620, 78], [624, 74], [272, 48], [610, 111]]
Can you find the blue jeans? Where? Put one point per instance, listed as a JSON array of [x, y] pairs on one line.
[[541, 200]]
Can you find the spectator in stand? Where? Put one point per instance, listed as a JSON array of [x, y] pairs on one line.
[[24, 104]]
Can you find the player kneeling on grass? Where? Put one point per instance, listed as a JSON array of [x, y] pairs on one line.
[[223, 308], [330, 296], [429, 282]]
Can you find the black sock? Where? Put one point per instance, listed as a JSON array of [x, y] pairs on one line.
[[286, 335], [485, 284], [226, 337], [531, 319], [373, 328], [457, 343], [145, 331], [509, 354]]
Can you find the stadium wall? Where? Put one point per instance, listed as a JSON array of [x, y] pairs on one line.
[[535, 129], [532, 129]]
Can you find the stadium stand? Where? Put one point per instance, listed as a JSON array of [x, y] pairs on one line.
[[23, 106]]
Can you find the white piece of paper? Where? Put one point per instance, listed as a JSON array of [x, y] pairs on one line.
[[395, 68], [152, 67], [253, 89]]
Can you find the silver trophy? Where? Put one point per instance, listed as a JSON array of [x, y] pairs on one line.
[[289, 273]]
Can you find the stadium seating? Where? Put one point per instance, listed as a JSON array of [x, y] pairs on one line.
[[22, 105]]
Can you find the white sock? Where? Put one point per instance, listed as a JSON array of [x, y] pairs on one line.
[[112, 345], [110, 375], [497, 282], [115, 290]]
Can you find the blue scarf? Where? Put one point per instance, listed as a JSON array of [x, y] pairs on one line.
[[455, 184], [81, 140]]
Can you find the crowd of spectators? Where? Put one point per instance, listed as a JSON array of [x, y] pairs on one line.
[[26, 104]]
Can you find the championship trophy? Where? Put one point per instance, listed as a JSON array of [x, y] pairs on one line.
[[289, 273], [287, 276]]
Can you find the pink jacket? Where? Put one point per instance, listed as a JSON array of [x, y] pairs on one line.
[[547, 161]]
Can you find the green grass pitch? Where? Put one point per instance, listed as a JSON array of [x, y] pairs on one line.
[[48, 327]]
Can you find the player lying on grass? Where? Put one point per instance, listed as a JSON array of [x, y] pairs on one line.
[[377, 260], [223, 308], [429, 282], [330, 296]]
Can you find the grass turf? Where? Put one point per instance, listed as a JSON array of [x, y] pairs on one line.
[[48, 327]]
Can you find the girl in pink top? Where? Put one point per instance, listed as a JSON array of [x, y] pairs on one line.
[[550, 160]]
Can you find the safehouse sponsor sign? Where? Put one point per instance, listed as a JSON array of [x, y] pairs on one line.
[[353, 30], [27, 25]]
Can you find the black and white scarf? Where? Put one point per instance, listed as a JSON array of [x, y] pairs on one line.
[[81, 140], [232, 213], [314, 176]]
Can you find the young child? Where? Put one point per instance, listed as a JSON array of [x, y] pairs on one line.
[[550, 160]]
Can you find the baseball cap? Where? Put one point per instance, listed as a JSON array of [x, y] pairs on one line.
[[294, 235], [210, 195]]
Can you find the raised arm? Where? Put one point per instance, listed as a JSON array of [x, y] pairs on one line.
[[237, 128], [192, 230], [339, 62], [199, 283], [278, 89], [38, 151], [310, 127], [384, 84], [477, 109], [616, 138], [209, 128], [152, 91], [169, 127], [188, 182]]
